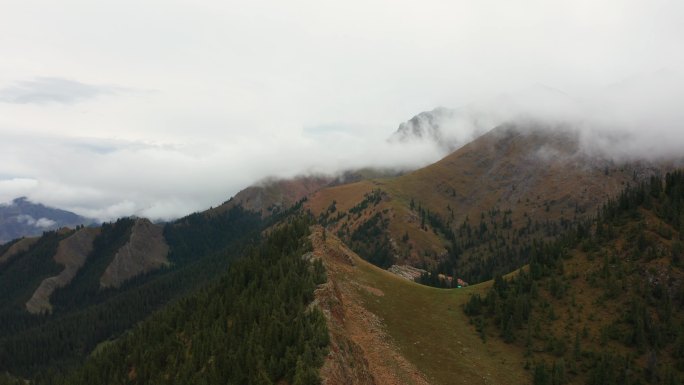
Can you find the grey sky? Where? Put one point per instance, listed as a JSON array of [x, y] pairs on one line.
[[242, 90]]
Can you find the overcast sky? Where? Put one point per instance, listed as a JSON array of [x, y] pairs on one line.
[[161, 108]]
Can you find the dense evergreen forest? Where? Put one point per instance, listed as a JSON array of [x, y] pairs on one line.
[[370, 239], [85, 315], [492, 246], [253, 326], [603, 303]]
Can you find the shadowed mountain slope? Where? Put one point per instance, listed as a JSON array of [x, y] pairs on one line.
[[22, 218]]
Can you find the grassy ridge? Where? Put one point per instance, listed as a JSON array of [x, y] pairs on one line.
[[429, 328]]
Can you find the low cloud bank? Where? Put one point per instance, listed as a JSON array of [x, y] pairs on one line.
[[108, 178], [639, 118]]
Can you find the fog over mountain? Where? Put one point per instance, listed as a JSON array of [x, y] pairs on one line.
[[640, 117], [24, 218], [164, 108]]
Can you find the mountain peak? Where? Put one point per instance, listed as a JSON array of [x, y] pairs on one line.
[[21, 218]]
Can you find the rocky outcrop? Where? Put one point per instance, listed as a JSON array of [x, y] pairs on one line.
[[19, 247], [72, 253], [145, 251], [346, 362]]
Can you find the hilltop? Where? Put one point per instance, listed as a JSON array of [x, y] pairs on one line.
[[470, 213]]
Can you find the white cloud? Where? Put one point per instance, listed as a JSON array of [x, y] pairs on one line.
[[248, 89], [44, 223], [16, 187], [27, 219]]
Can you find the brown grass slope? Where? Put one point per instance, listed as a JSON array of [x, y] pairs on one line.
[[19, 247], [146, 250], [611, 309], [533, 172], [72, 253], [272, 195]]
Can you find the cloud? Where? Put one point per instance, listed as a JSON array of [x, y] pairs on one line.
[[637, 118], [251, 89], [45, 223], [43, 90], [106, 178], [164, 181], [16, 187], [27, 219], [41, 223]]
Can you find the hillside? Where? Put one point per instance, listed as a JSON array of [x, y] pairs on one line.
[[274, 195], [471, 213], [55, 308], [602, 305], [253, 326], [99, 302], [388, 330], [22, 218]]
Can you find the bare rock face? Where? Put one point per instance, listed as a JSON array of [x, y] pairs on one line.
[[145, 251], [19, 247], [71, 253]]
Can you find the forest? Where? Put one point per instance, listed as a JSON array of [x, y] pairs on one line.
[[253, 326], [86, 316], [603, 303]]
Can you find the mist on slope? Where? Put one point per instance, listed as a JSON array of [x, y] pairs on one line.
[[638, 118], [107, 178]]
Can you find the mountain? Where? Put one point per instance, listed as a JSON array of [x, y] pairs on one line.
[[228, 332], [474, 213], [451, 128], [388, 330], [22, 218], [69, 290], [602, 304], [273, 195], [430, 126], [567, 262]]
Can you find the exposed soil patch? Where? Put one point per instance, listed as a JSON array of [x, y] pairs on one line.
[[145, 251], [19, 247], [71, 253]]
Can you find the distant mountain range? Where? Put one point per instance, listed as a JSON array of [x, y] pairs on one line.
[[23, 218]]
